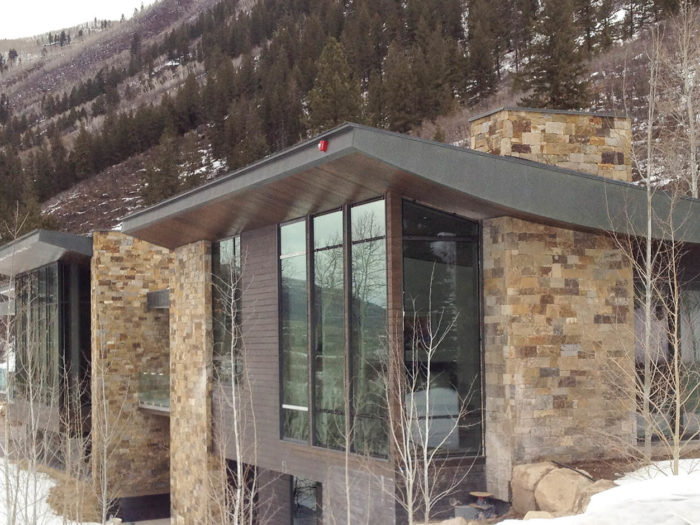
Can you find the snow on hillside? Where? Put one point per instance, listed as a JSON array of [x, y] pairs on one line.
[[649, 496]]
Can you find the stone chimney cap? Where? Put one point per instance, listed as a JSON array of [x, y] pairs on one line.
[[550, 111]]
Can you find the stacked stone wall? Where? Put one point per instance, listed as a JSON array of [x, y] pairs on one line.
[[192, 458], [598, 145], [128, 339], [558, 322]]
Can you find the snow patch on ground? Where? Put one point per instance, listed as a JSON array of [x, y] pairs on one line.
[[32, 501], [648, 496]]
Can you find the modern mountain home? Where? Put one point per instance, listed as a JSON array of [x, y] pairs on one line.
[[312, 274]]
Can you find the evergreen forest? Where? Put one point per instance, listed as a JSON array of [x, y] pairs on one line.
[[264, 78]]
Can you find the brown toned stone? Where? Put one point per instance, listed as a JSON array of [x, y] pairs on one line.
[[128, 339], [521, 148], [545, 404], [597, 145]]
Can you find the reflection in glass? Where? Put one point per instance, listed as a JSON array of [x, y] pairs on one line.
[[226, 304], [293, 335], [38, 343], [329, 331], [306, 502], [440, 264], [369, 348], [293, 238]]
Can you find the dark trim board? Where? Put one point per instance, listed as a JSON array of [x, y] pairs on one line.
[[362, 162]]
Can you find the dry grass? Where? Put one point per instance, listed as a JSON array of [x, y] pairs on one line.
[[72, 498]]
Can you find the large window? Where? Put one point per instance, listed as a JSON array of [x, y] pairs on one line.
[[369, 331], [38, 332], [294, 340], [52, 330], [226, 299], [441, 324], [333, 267], [329, 330]]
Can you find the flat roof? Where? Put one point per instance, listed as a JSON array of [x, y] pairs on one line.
[[41, 247], [608, 114], [363, 162]]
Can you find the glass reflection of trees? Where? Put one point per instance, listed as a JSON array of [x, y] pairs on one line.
[[347, 246], [293, 331], [368, 328]]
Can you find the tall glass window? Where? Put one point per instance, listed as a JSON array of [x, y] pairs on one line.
[[329, 330], [38, 333], [369, 349], [226, 298], [441, 324], [347, 348], [294, 340]]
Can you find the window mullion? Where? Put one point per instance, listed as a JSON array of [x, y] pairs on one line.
[[311, 339], [347, 284]]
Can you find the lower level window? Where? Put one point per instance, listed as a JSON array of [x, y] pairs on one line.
[[306, 502]]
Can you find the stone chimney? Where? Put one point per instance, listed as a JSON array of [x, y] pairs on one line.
[[595, 143]]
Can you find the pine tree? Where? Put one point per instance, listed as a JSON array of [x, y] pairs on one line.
[[82, 154], [191, 160], [161, 178], [244, 134], [335, 97], [400, 91], [606, 32], [482, 66], [556, 69], [585, 15], [375, 101]]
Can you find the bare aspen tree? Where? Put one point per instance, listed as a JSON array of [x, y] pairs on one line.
[[234, 488], [34, 390], [681, 90], [666, 383], [108, 423], [417, 442], [11, 233]]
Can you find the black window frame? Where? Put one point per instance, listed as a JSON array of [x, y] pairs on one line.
[[347, 246], [477, 236]]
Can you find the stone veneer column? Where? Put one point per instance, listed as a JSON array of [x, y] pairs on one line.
[[127, 339], [558, 312], [596, 144], [191, 457]]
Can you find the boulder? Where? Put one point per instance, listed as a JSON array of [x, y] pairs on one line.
[[560, 489], [537, 514], [523, 483], [587, 493]]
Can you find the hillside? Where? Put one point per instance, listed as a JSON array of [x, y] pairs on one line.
[[131, 112]]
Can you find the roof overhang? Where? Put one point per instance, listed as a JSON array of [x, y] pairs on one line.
[[365, 162], [39, 248]]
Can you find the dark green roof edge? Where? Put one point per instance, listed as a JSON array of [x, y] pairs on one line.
[[529, 189], [38, 240], [548, 111]]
